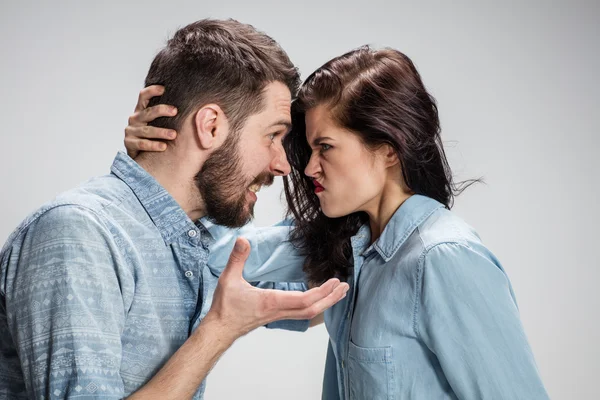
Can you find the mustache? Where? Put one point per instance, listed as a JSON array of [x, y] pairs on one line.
[[264, 179]]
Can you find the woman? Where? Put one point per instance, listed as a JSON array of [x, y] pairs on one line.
[[430, 313]]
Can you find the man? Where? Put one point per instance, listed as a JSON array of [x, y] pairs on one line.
[[105, 291]]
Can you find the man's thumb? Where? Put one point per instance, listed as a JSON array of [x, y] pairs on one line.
[[237, 258]]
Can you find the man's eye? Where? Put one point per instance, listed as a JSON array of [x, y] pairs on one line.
[[272, 136]]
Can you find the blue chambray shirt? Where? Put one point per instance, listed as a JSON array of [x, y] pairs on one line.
[[99, 288], [430, 313]]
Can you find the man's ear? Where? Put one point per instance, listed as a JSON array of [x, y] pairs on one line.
[[211, 126]]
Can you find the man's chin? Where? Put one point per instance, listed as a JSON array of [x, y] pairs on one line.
[[237, 222], [248, 215], [232, 214]]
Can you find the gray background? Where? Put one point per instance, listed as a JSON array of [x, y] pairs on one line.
[[517, 87]]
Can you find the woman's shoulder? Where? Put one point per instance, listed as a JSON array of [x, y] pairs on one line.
[[448, 240], [445, 227]]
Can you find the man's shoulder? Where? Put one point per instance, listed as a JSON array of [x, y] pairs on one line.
[[96, 194], [76, 208]]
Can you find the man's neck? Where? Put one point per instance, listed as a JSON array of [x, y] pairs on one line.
[[177, 177]]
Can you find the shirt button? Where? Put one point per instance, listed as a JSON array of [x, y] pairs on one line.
[[192, 233], [189, 274], [343, 365], [348, 316]]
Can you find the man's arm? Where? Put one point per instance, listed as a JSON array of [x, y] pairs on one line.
[[273, 259], [237, 308], [67, 292], [65, 305]]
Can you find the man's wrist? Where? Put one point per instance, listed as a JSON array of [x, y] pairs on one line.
[[223, 334]]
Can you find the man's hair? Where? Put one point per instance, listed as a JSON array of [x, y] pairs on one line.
[[218, 61]]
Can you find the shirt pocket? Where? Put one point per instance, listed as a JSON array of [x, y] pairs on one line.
[[370, 373]]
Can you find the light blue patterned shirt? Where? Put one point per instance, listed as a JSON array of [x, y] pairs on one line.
[[430, 313], [99, 287]]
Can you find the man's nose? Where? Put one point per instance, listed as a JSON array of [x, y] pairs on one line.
[[280, 165]]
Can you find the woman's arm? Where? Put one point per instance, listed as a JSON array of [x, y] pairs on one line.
[[466, 314]]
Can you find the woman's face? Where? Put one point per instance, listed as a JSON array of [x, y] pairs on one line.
[[348, 176]]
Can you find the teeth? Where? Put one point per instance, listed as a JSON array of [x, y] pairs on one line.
[[254, 188]]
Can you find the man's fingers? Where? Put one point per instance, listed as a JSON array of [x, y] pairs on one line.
[[237, 259], [146, 94], [305, 305], [300, 300], [336, 295], [319, 306]]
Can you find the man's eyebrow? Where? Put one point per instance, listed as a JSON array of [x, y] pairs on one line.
[[285, 122]]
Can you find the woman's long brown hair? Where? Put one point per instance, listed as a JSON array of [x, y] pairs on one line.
[[379, 96]]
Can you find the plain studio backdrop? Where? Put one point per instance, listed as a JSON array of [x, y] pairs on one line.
[[517, 88]]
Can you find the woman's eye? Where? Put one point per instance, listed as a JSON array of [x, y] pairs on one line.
[[325, 147]]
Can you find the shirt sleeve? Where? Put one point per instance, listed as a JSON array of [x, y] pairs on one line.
[[273, 263], [64, 306], [466, 314], [272, 257]]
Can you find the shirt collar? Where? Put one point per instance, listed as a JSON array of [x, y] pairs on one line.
[[405, 220], [165, 212]]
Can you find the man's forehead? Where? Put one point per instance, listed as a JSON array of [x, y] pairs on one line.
[[276, 110], [279, 113], [284, 106], [277, 118], [277, 95], [280, 101]]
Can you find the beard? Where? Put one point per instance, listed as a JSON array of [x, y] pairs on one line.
[[223, 186]]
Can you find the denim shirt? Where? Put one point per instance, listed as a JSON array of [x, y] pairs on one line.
[[430, 314], [99, 288]]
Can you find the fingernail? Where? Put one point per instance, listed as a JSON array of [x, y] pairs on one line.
[[171, 135], [173, 110], [239, 246]]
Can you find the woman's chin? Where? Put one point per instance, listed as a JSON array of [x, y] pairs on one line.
[[341, 210], [331, 212]]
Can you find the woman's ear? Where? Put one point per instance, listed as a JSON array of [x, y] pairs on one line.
[[389, 155]]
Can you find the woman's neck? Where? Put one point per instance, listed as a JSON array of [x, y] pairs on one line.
[[384, 206]]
